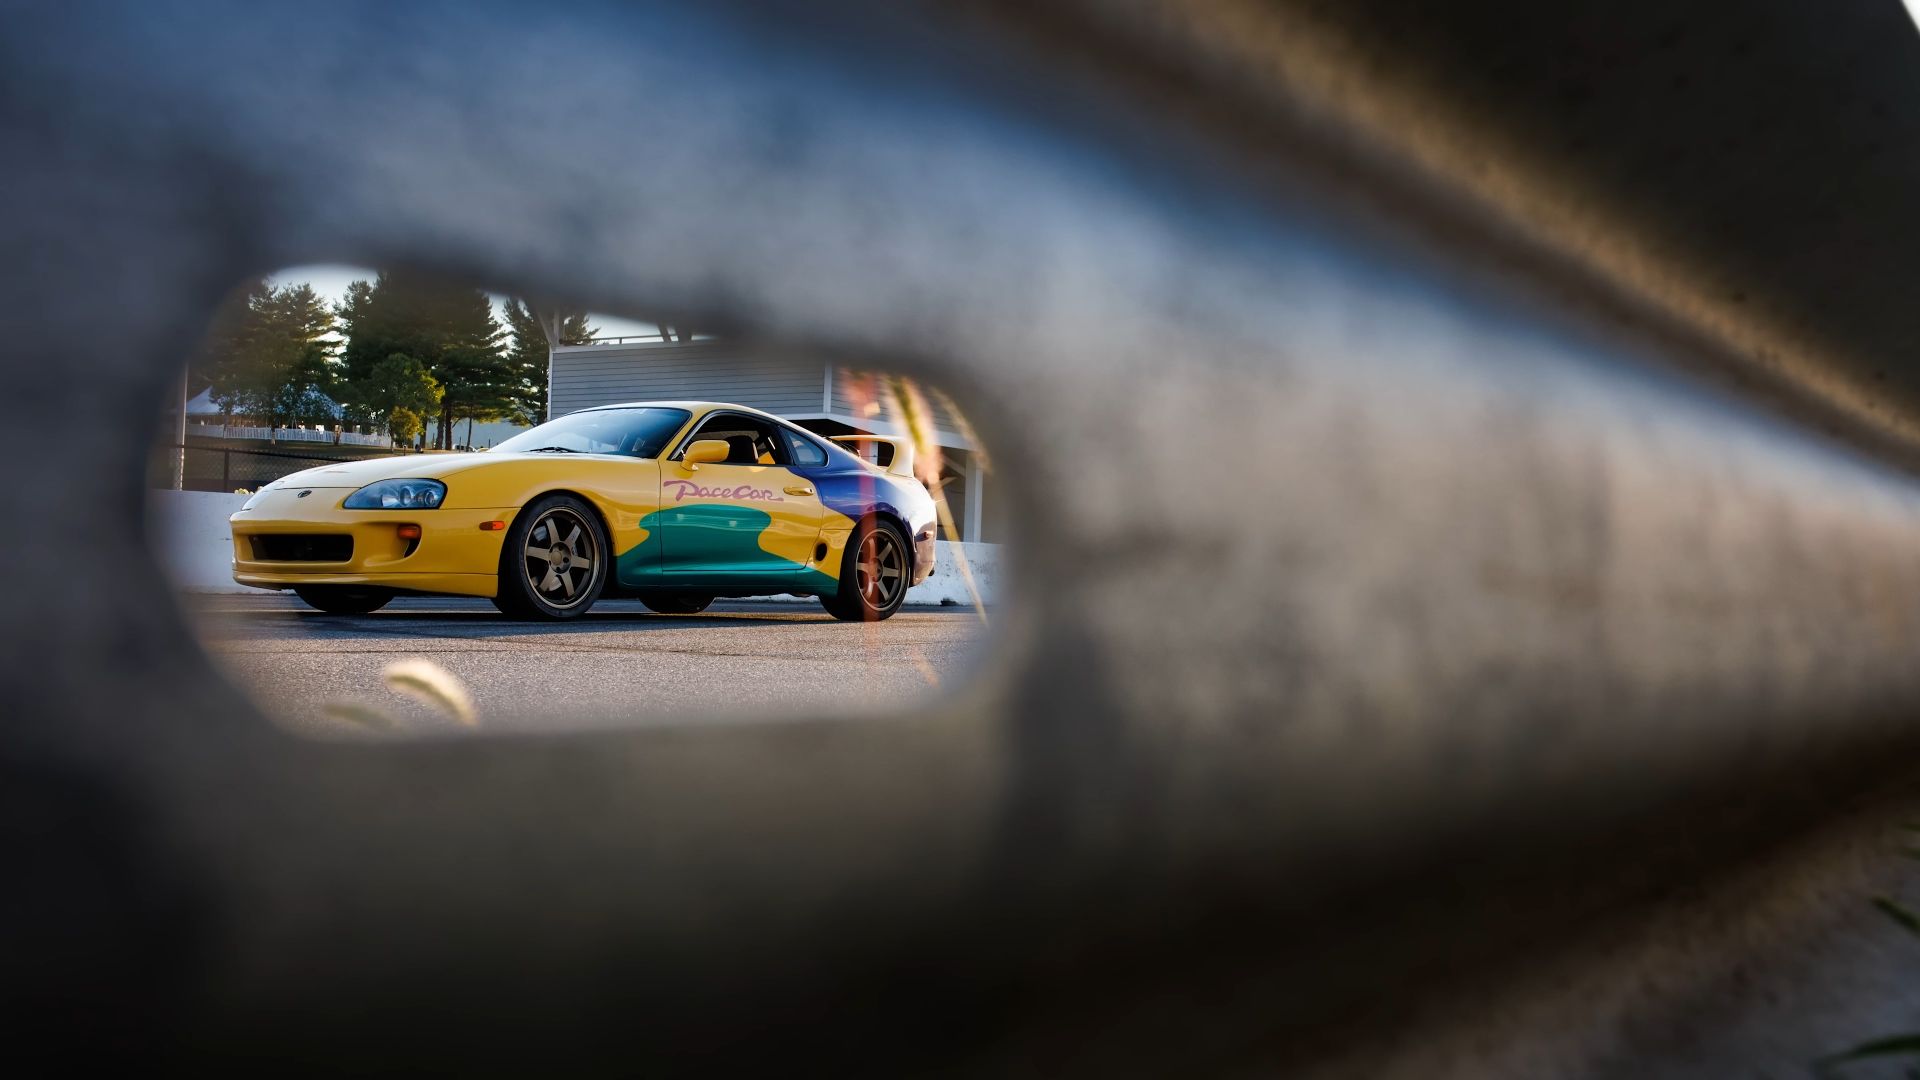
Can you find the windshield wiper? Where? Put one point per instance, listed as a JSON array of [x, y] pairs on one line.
[[551, 450]]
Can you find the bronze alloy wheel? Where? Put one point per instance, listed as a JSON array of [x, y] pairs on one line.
[[562, 558], [875, 571], [880, 569]]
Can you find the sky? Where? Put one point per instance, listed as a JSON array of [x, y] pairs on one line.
[[331, 282]]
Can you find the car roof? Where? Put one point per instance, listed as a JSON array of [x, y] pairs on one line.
[[691, 406], [698, 408]]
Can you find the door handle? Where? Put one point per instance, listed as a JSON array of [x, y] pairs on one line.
[[800, 489]]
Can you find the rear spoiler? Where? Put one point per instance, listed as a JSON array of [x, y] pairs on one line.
[[902, 463]]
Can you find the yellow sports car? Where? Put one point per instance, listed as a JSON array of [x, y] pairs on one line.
[[674, 503]]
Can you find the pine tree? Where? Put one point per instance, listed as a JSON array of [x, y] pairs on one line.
[[225, 355], [269, 355], [447, 327], [535, 329]]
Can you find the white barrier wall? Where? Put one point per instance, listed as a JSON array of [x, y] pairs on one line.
[[188, 529], [945, 585]]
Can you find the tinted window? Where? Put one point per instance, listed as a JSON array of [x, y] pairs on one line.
[[804, 450], [750, 441], [640, 433]]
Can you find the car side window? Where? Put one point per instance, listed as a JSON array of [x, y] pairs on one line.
[[749, 441], [804, 450]]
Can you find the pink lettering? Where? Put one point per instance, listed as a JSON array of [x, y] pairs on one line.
[[683, 490]]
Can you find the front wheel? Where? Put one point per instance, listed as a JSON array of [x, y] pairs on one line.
[[554, 561], [343, 599], [873, 575], [677, 605]]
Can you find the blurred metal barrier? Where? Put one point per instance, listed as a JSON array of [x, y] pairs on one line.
[[1429, 651]]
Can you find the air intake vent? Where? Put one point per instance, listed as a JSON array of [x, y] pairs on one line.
[[300, 547]]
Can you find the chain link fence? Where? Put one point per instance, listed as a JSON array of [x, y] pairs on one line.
[[220, 468]]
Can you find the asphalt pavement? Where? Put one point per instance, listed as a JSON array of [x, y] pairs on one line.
[[619, 665]]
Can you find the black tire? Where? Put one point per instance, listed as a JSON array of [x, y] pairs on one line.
[[873, 596], [573, 561], [344, 599], [677, 605]]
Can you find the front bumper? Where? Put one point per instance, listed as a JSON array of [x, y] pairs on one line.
[[453, 555]]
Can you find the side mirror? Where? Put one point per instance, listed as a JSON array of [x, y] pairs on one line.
[[707, 450]]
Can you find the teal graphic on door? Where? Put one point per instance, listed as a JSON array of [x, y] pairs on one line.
[[713, 544]]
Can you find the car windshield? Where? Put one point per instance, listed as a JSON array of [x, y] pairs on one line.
[[640, 433]]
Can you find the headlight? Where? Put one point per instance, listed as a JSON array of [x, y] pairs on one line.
[[397, 495]]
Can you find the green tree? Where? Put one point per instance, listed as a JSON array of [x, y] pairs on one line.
[[222, 363], [270, 355], [534, 330], [403, 394], [448, 327]]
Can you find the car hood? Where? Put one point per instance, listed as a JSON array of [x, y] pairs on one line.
[[358, 474]]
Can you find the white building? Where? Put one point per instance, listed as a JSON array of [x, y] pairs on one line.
[[820, 395]]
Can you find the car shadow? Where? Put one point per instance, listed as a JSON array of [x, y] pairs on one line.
[[480, 620], [431, 617], [492, 623]]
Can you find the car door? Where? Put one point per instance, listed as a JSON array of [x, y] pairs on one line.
[[750, 521]]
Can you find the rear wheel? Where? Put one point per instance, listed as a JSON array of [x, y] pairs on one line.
[[343, 599], [677, 605], [873, 575], [554, 561]]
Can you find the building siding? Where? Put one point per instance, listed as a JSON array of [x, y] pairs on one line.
[[588, 375], [841, 401]]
